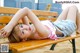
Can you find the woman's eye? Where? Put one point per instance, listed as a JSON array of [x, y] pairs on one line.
[[22, 32], [21, 26]]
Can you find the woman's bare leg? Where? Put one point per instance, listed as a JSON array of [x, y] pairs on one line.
[[78, 22], [72, 16], [72, 13], [63, 15]]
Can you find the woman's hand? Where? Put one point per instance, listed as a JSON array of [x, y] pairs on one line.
[[4, 32]]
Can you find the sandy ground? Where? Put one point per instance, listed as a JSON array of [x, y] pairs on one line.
[[63, 47]]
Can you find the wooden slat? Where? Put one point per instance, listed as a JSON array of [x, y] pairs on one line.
[[4, 20], [45, 13], [28, 45], [8, 10]]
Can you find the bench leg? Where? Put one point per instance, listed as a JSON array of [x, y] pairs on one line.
[[10, 51], [73, 45], [52, 47]]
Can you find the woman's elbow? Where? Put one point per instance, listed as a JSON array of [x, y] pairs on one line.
[[26, 8]]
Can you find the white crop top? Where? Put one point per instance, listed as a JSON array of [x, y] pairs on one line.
[[52, 29]]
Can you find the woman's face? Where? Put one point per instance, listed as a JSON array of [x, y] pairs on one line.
[[25, 31]]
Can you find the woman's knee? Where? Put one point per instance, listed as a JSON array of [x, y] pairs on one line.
[[74, 7]]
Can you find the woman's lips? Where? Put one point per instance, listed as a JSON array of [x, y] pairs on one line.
[[29, 28]]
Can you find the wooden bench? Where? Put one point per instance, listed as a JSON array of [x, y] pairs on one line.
[[28, 45]]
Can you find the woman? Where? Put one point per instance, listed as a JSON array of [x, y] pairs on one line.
[[64, 26]]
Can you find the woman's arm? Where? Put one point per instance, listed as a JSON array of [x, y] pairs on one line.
[[19, 15], [8, 28], [36, 22], [41, 29], [25, 20]]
